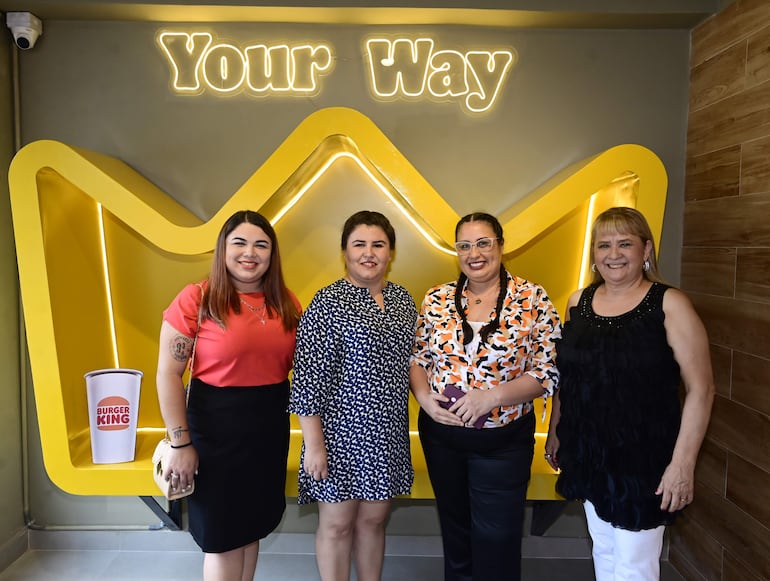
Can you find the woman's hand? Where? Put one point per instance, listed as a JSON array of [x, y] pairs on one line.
[[182, 467], [552, 443], [175, 349], [687, 337], [315, 462], [552, 450], [429, 401], [314, 459], [676, 487], [475, 404]]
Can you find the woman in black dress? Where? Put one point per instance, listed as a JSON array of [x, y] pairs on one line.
[[623, 444]]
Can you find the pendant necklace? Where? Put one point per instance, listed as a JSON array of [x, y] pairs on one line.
[[259, 311], [480, 298]]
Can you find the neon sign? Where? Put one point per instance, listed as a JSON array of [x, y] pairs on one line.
[[397, 68], [199, 64], [413, 69]]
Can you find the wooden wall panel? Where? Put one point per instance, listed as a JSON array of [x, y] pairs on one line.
[[713, 175], [736, 22], [731, 121], [743, 431], [691, 543], [709, 271], [711, 468], [752, 278], [728, 222], [745, 538], [686, 568], [719, 77], [728, 152], [748, 487], [734, 570], [740, 325], [755, 166], [751, 382], [758, 58]]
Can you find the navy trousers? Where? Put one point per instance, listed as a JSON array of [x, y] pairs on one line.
[[480, 478]]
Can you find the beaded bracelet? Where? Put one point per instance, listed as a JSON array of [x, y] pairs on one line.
[[181, 445]]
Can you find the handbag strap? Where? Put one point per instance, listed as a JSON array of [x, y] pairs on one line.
[[195, 343]]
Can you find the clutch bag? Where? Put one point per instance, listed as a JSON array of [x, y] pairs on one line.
[[454, 393], [159, 460]]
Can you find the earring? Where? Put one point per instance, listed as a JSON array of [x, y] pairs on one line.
[[593, 267], [646, 266]]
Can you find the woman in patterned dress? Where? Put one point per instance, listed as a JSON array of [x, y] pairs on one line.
[[350, 390], [623, 443], [490, 334]]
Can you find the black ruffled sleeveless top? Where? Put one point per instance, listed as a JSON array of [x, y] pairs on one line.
[[620, 410]]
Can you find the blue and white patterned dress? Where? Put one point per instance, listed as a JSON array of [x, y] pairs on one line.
[[351, 368]]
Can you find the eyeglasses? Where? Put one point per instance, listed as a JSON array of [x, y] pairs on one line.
[[483, 245]]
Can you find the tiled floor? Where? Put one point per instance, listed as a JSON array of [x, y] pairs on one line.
[[86, 557], [180, 566]]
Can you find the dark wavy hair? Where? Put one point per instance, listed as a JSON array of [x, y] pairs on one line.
[[221, 297], [494, 324], [368, 218]]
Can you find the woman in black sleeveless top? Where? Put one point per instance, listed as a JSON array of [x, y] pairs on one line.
[[618, 434]]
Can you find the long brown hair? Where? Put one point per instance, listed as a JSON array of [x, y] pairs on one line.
[[221, 296], [624, 220], [493, 325]]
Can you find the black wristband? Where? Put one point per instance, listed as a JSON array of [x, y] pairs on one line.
[[181, 445]]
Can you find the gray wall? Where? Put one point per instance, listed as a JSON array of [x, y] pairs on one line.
[[11, 498], [105, 86]]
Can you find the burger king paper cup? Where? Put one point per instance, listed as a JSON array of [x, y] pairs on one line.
[[113, 410]]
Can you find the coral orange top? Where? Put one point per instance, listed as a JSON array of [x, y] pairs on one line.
[[254, 349]]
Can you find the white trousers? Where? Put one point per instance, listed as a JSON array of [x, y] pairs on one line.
[[622, 555]]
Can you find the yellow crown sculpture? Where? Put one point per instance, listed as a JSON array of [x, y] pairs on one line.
[[102, 251]]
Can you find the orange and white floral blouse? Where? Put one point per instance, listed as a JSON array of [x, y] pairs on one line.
[[523, 343]]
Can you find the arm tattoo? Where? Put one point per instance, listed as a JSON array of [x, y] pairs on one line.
[[177, 432], [181, 347]]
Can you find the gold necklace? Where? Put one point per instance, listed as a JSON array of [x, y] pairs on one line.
[[482, 296], [259, 311]]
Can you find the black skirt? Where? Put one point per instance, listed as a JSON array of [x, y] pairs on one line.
[[241, 435]]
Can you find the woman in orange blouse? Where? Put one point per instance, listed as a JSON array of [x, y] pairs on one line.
[[489, 335]]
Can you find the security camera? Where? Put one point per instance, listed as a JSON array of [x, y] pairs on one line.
[[25, 27]]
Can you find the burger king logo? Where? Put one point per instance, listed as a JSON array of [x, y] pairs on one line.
[[112, 413]]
